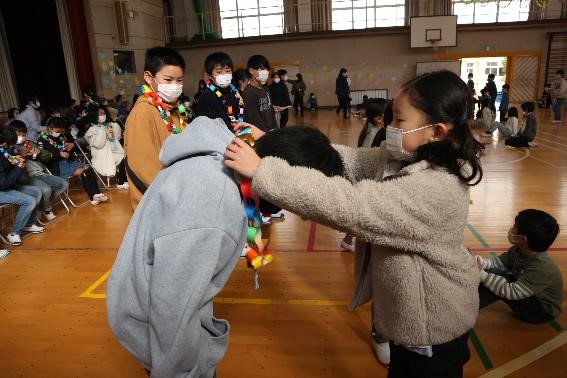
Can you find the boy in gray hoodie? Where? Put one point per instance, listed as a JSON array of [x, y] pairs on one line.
[[183, 242]]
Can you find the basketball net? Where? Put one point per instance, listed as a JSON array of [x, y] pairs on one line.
[[434, 44]]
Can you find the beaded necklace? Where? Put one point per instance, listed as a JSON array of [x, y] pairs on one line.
[[234, 120], [43, 135], [166, 109], [13, 159]]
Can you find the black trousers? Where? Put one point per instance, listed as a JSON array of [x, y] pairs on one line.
[[284, 116], [518, 141], [529, 309], [447, 361], [121, 173], [298, 104], [343, 104], [88, 179]]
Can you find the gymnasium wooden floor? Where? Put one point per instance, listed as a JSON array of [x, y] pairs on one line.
[[52, 309]]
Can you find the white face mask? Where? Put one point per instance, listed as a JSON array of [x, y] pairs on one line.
[[55, 134], [276, 80], [512, 238], [263, 76], [101, 118], [224, 80], [168, 92], [395, 142], [187, 104], [21, 139]]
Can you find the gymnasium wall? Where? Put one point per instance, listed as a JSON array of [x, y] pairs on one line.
[[380, 60]]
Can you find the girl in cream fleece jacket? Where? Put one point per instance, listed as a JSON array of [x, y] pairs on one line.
[[410, 257]]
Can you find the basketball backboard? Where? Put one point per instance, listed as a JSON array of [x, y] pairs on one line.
[[433, 31]]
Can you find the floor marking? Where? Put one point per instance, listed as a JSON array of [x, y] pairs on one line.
[[526, 152], [312, 235], [480, 350], [89, 292], [526, 359], [553, 135]]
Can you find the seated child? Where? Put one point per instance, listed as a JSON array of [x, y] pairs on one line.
[[312, 102], [60, 164], [545, 99], [528, 131], [183, 242], [508, 129], [484, 95], [484, 119], [27, 197], [51, 186], [107, 153], [525, 277]]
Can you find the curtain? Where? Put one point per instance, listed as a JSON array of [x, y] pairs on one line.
[[290, 16], [8, 94], [536, 12], [321, 15], [67, 43]]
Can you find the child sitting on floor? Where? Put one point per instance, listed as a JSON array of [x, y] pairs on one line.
[[525, 277]]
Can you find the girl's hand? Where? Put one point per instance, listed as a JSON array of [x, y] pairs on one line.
[[256, 131], [242, 158]]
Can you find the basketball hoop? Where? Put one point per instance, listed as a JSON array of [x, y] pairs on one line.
[[434, 44]]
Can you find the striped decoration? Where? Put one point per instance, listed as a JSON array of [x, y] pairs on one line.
[[524, 79]]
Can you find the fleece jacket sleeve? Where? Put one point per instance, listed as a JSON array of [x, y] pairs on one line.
[[184, 341]]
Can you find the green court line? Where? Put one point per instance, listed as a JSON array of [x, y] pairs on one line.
[[480, 351], [556, 326]]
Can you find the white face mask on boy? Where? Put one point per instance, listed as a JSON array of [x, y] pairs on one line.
[[224, 80], [263, 76], [395, 142], [169, 92], [101, 119]]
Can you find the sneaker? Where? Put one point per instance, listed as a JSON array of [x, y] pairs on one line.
[[100, 197], [347, 246], [14, 239], [34, 229], [382, 351], [49, 215], [124, 186], [3, 253], [95, 202]]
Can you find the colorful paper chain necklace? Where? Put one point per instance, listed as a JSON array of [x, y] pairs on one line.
[[108, 129], [47, 138], [165, 110], [234, 119], [13, 159]]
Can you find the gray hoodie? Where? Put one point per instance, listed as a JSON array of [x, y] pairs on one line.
[[179, 250]]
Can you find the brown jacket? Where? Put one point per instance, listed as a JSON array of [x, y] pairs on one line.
[[144, 136]]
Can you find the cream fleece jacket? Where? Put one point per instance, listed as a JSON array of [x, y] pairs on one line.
[[423, 281]]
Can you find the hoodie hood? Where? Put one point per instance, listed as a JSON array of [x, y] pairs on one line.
[[203, 136]]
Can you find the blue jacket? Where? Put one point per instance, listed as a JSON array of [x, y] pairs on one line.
[[9, 174]]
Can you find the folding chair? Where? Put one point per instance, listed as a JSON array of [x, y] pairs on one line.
[[88, 161], [3, 221], [65, 195], [55, 202]]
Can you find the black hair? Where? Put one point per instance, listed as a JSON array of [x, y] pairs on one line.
[[299, 77], [217, 59], [19, 126], [538, 227], [300, 146], [158, 57], [389, 113], [513, 112], [342, 71], [560, 72], [375, 107], [506, 86], [258, 61], [491, 76], [281, 72], [274, 74], [443, 97], [528, 106], [8, 136], [240, 75], [11, 112], [57, 123], [484, 102], [93, 113], [27, 98], [470, 74]]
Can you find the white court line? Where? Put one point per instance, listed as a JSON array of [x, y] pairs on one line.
[[526, 359], [563, 151], [524, 149], [557, 136]]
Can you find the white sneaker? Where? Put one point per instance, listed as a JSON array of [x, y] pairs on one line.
[[4, 252], [14, 239], [34, 229], [124, 186], [347, 246], [382, 351], [100, 198], [49, 215]]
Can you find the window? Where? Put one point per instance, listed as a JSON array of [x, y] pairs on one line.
[[491, 11], [124, 62], [246, 18], [363, 14], [470, 68]]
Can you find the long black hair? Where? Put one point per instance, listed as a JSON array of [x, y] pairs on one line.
[[341, 72], [442, 96]]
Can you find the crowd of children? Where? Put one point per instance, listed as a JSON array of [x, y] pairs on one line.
[[413, 154]]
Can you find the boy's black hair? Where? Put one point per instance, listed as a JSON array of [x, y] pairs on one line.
[[11, 112], [57, 123], [240, 74], [375, 107], [217, 59], [443, 98], [491, 76], [274, 74], [513, 112], [506, 86], [158, 57], [258, 61], [528, 106], [389, 113], [484, 102], [539, 227], [19, 126], [470, 75], [281, 72], [299, 77], [8, 136], [27, 98], [300, 146]]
